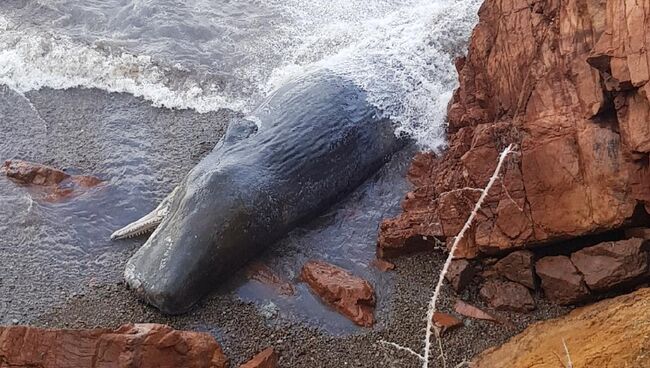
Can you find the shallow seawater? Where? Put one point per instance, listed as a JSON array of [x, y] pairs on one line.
[[50, 251], [135, 92], [53, 251], [346, 236]]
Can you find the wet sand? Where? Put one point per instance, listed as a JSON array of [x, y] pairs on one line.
[[81, 286]]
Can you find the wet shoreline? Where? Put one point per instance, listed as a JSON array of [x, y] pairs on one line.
[[243, 316]]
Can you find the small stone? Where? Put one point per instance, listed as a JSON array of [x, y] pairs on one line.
[[507, 296], [14, 321], [446, 322], [518, 267], [266, 359], [267, 276], [383, 265], [460, 274], [471, 311]]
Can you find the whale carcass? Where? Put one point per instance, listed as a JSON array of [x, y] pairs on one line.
[[311, 142]]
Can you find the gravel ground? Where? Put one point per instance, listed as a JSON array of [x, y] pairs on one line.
[[35, 292], [243, 331]]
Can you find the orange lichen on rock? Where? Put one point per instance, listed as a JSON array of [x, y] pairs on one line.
[[609, 334]]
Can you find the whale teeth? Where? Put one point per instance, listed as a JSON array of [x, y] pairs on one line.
[[147, 223]]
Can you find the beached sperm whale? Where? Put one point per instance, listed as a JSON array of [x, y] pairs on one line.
[[311, 142]]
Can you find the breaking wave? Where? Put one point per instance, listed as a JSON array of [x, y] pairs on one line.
[[399, 51]]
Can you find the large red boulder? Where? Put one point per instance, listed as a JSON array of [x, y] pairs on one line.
[[607, 265], [140, 345], [351, 295]]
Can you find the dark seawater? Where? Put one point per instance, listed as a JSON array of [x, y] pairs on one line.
[[137, 91]]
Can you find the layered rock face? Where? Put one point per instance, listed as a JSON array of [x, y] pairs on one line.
[[140, 345], [609, 334], [567, 82]]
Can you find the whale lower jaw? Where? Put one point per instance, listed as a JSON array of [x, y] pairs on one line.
[[148, 223], [154, 295]]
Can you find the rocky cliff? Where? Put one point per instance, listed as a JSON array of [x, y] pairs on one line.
[[567, 83]]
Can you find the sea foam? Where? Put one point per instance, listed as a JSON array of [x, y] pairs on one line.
[[400, 51]]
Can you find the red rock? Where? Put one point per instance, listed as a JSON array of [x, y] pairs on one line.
[[266, 359], [518, 267], [85, 181], [446, 322], [538, 76], [55, 185], [140, 345], [265, 275], [352, 296], [383, 265], [507, 296], [471, 311], [460, 274], [607, 265], [28, 173], [561, 281]]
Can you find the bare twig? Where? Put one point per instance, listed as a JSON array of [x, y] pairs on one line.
[[432, 303], [461, 190], [569, 363], [402, 348], [442, 351], [505, 190]]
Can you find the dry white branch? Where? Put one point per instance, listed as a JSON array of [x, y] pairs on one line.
[[505, 190], [402, 348], [569, 363], [431, 309], [461, 190], [434, 299]]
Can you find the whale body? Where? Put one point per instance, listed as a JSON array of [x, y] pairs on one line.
[[306, 146]]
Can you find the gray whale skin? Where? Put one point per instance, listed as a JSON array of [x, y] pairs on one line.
[[312, 141]]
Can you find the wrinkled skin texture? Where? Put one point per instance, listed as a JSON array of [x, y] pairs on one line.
[[317, 140]]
